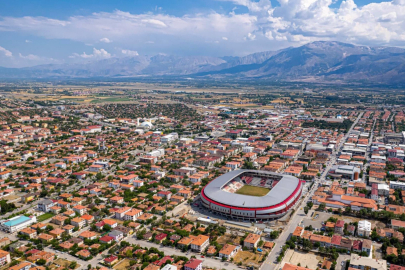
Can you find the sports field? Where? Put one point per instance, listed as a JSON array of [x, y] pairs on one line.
[[253, 191]]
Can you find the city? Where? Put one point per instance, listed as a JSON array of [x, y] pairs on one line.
[[202, 135], [170, 182]]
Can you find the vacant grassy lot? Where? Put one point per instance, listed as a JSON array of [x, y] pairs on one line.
[[248, 258], [62, 262], [44, 217], [122, 265], [252, 191], [229, 239]]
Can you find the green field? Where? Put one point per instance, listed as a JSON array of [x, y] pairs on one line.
[[44, 217], [253, 191], [111, 99]]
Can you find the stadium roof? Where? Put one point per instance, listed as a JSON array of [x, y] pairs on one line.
[[278, 194]]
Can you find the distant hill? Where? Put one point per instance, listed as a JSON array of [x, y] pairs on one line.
[[317, 61]]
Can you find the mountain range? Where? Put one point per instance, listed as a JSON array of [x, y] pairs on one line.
[[320, 61]]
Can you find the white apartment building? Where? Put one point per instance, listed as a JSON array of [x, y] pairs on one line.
[[364, 228]]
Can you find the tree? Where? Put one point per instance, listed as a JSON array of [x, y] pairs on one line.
[[274, 234], [73, 265], [41, 262]]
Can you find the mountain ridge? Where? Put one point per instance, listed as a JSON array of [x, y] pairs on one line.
[[317, 61]]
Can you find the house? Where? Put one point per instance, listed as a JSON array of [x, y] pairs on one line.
[[165, 194], [339, 226], [83, 253], [185, 242], [88, 235], [169, 267], [117, 235], [106, 239], [152, 267], [4, 257], [117, 199], [80, 209], [57, 233], [111, 260], [251, 241], [21, 266], [119, 214], [193, 264], [88, 218], [289, 266], [29, 232], [45, 205], [133, 214], [396, 224], [68, 229], [78, 222], [366, 247], [200, 243], [45, 237], [160, 237], [351, 229], [324, 241], [357, 245], [228, 251], [4, 241]]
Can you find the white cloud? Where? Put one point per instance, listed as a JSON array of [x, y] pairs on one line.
[[291, 23], [105, 40], [32, 57], [129, 52], [28, 41], [250, 36], [97, 54], [5, 52]]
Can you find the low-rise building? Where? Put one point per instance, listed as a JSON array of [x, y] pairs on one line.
[[251, 241]]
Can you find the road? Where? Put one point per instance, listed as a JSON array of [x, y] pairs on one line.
[[271, 261], [207, 262]]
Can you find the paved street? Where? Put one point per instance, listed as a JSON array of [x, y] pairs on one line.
[[208, 262]]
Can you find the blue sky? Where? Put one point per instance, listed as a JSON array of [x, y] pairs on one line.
[[43, 32]]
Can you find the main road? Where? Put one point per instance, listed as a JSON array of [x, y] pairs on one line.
[[271, 261]]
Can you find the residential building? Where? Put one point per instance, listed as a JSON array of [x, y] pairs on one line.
[[251, 241]]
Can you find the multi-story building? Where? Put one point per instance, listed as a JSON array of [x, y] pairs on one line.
[[45, 205], [364, 228], [228, 251], [200, 243], [251, 241], [132, 215], [4, 257], [17, 223], [366, 263]]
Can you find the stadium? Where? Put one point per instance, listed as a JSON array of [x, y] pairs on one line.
[[252, 195]]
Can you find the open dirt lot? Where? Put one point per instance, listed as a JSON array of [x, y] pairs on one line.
[[322, 216], [305, 259], [248, 258], [11, 198], [122, 265], [225, 239], [62, 262]]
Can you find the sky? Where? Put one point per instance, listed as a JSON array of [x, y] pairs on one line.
[[61, 32]]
